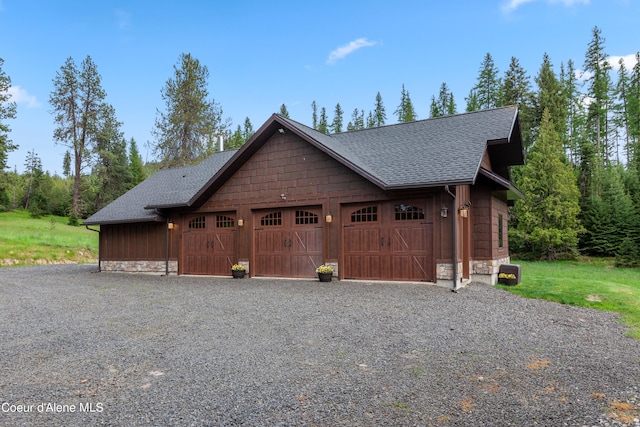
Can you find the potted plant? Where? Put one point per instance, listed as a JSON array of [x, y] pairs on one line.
[[325, 273], [238, 271], [508, 279]]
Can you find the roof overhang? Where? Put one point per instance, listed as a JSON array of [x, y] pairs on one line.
[[512, 192], [154, 218]]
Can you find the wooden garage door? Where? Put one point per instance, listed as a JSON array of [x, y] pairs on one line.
[[288, 242], [210, 244], [389, 241]]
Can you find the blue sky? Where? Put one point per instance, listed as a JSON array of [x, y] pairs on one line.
[[261, 54]]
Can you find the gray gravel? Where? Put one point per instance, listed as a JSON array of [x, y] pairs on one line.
[[150, 350]]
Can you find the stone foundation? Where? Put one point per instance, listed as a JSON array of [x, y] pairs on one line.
[[334, 267], [246, 266], [157, 267], [486, 271]]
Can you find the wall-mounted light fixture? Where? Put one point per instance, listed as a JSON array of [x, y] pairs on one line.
[[444, 212], [283, 196], [328, 218], [241, 222], [281, 130], [171, 226], [464, 209]]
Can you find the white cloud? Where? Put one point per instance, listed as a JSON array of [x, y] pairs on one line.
[[511, 5], [21, 96], [629, 61], [348, 49], [613, 60]]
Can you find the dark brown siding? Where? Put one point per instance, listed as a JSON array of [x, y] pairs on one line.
[[481, 224], [288, 172], [137, 241], [486, 209]]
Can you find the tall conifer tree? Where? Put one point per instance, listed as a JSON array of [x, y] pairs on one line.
[[191, 121], [77, 99], [548, 224]]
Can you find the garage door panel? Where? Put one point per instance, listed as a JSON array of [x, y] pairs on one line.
[[288, 242], [389, 241], [360, 241], [363, 267], [209, 242]]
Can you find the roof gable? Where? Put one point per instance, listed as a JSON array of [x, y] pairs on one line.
[[441, 151]]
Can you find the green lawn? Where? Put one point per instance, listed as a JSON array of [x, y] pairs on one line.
[[586, 283], [27, 241]]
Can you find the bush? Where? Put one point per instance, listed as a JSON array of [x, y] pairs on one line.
[[73, 220], [628, 254]]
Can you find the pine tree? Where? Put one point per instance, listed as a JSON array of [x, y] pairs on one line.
[[236, 140], [7, 111], [111, 172], [487, 89], [336, 124], [34, 201], [76, 99], [633, 107], [472, 101], [575, 112], [379, 113], [314, 115], [610, 217], [323, 125], [136, 168], [599, 91], [444, 104], [620, 111], [551, 98], [405, 111], [247, 130], [190, 118], [283, 111], [548, 224], [371, 120], [357, 120], [516, 90]]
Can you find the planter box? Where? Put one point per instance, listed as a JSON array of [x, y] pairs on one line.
[[510, 269], [238, 274], [325, 277]]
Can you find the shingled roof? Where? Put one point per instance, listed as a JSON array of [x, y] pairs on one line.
[[425, 153], [164, 189], [428, 153]]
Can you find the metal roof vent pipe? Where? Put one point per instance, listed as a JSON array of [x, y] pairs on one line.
[[220, 143]]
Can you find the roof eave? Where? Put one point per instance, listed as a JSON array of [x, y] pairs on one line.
[[155, 218], [419, 185]]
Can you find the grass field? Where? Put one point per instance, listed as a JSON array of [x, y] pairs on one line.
[[48, 240], [593, 283]]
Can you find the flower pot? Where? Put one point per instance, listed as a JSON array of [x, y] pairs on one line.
[[238, 274], [508, 282], [325, 277]]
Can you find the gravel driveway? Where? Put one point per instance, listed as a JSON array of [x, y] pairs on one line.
[[83, 348]]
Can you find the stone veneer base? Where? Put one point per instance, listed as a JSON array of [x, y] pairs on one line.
[[156, 267]]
